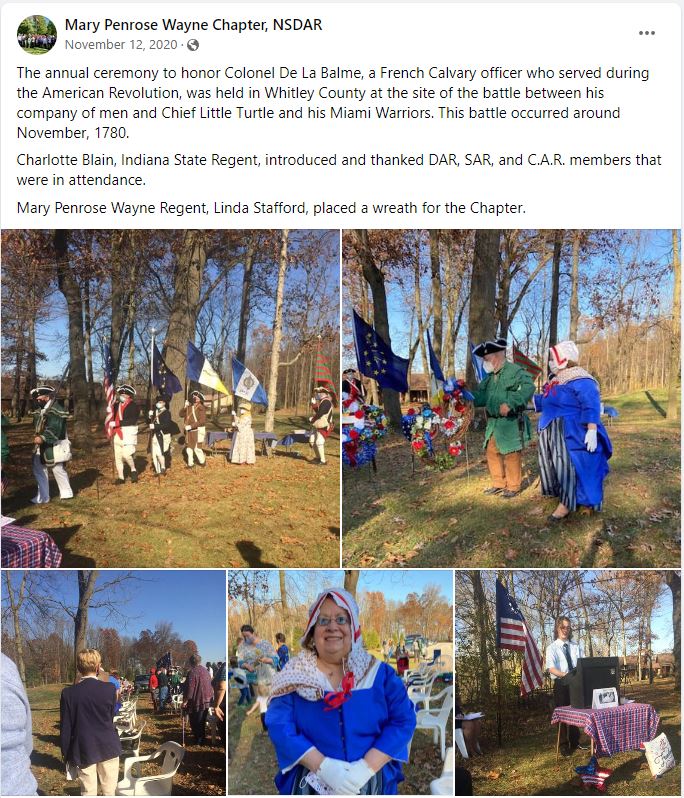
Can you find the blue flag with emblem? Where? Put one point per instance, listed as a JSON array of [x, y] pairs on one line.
[[246, 385], [162, 378], [376, 359]]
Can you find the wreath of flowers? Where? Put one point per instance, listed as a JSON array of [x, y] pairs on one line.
[[449, 413], [359, 438]]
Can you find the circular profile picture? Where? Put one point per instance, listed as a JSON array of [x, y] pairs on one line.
[[36, 35]]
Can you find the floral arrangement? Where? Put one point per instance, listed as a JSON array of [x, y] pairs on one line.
[[362, 426], [448, 414]]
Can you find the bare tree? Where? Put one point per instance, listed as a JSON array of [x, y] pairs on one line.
[[673, 398], [277, 333]]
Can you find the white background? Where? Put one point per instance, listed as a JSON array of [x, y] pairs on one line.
[[365, 36]]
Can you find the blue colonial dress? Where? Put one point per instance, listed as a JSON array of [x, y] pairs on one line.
[[377, 714], [567, 469]]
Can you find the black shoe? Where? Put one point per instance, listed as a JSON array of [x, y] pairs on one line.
[[134, 476], [118, 482], [557, 519], [492, 491], [582, 747], [318, 462], [509, 494]]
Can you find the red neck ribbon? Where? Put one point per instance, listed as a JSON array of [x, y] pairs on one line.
[[335, 700]]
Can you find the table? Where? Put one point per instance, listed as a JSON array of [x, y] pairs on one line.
[[267, 440], [611, 730], [292, 438], [28, 548]]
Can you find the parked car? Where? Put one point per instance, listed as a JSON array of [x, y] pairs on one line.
[[142, 682]]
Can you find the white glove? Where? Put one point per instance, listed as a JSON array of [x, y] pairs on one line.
[[187, 429], [151, 426], [151, 413], [590, 440], [232, 412], [187, 404], [358, 774], [334, 773]]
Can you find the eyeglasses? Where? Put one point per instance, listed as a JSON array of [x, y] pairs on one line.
[[340, 620]]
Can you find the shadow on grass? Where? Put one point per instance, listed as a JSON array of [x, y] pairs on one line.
[[252, 554], [655, 404]]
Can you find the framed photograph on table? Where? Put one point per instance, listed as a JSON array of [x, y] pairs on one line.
[[605, 697]]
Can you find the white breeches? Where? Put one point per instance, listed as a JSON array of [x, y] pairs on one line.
[[157, 453], [198, 453], [40, 472], [123, 453]]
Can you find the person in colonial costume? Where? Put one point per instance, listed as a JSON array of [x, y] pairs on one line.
[[161, 427], [195, 416], [574, 447], [50, 425], [340, 720], [351, 384], [125, 432], [321, 420], [243, 445], [504, 393]]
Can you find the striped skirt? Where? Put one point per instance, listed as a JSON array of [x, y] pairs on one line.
[[558, 477]]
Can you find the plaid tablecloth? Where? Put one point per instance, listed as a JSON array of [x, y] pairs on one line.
[[28, 548], [613, 729]]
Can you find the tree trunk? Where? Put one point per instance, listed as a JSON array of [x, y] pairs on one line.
[[436, 294], [77, 374], [480, 603], [481, 321], [419, 310], [277, 335], [673, 378], [15, 607], [16, 387], [117, 320], [246, 297], [587, 624], [674, 581], [555, 287], [376, 281], [351, 580], [190, 263], [574, 287], [87, 323], [86, 586]]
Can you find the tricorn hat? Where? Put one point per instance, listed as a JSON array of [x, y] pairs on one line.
[[127, 389], [42, 390], [162, 398], [322, 389], [197, 393], [490, 347]]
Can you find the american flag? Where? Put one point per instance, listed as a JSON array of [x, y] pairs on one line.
[[512, 633], [108, 390]]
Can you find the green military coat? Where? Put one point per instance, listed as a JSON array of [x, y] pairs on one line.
[[51, 427], [513, 386]]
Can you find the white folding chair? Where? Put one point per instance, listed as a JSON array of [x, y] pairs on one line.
[[420, 694], [437, 719], [130, 741], [444, 785], [162, 783]]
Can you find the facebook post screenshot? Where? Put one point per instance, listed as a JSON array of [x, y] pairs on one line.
[[371, 312]]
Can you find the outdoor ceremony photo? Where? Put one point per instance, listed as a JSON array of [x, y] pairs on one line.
[[116, 679], [170, 398], [510, 398], [568, 681], [340, 682]]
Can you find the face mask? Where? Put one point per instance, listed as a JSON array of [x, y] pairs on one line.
[[487, 366], [159, 405]]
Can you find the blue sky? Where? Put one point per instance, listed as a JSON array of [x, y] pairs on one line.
[[656, 245], [52, 338], [396, 584], [193, 601]]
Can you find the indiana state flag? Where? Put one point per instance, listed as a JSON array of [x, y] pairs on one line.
[[162, 377], [377, 360], [246, 385], [200, 370]]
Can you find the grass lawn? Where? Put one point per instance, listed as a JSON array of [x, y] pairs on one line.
[[202, 772], [267, 515], [396, 518], [526, 765], [252, 762]]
